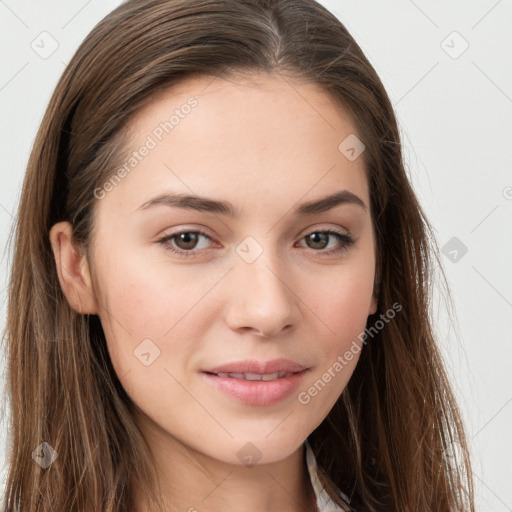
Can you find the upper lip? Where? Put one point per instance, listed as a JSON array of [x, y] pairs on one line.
[[261, 367]]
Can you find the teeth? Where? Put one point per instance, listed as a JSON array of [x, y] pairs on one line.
[[270, 376], [253, 376], [236, 375]]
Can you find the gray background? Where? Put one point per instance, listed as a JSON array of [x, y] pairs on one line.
[[454, 106]]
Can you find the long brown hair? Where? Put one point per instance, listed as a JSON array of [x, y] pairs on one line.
[[384, 442]]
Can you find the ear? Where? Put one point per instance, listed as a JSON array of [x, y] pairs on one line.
[[73, 270], [376, 280], [375, 296], [373, 305]]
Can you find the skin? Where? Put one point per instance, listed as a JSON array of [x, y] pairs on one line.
[[266, 145]]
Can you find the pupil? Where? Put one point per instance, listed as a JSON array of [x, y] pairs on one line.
[[317, 237], [189, 240]]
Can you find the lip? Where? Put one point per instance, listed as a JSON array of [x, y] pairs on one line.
[[256, 392]]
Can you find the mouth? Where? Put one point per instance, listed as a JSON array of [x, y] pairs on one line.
[[250, 388], [251, 369], [253, 376]]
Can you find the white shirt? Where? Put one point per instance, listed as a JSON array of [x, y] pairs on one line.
[[323, 500]]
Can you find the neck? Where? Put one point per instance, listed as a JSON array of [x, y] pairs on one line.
[[192, 481]]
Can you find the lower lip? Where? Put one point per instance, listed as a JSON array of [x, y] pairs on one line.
[[257, 392]]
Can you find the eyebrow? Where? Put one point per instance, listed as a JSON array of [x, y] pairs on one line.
[[208, 205]]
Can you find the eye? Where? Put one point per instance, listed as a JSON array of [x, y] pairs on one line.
[[184, 244], [321, 239]]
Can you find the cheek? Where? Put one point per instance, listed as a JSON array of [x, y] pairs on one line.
[[140, 303], [348, 311], [342, 303], [341, 308]]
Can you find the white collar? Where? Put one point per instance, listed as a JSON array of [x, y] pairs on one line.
[[323, 500]]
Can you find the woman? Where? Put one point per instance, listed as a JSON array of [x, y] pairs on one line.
[[221, 280]]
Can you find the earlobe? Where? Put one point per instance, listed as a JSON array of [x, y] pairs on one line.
[[73, 270], [373, 305], [375, 298]]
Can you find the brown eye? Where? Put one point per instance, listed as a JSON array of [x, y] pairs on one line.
[[185, 244], [186, 240], [319, 240]]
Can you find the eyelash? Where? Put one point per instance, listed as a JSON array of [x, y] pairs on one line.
[[346, 242]]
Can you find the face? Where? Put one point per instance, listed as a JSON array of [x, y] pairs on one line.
[[251, 269]]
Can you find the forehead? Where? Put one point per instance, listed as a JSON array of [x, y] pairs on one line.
[[241, 138]]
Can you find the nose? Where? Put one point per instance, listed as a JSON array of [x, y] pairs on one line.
[[262, 299]]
